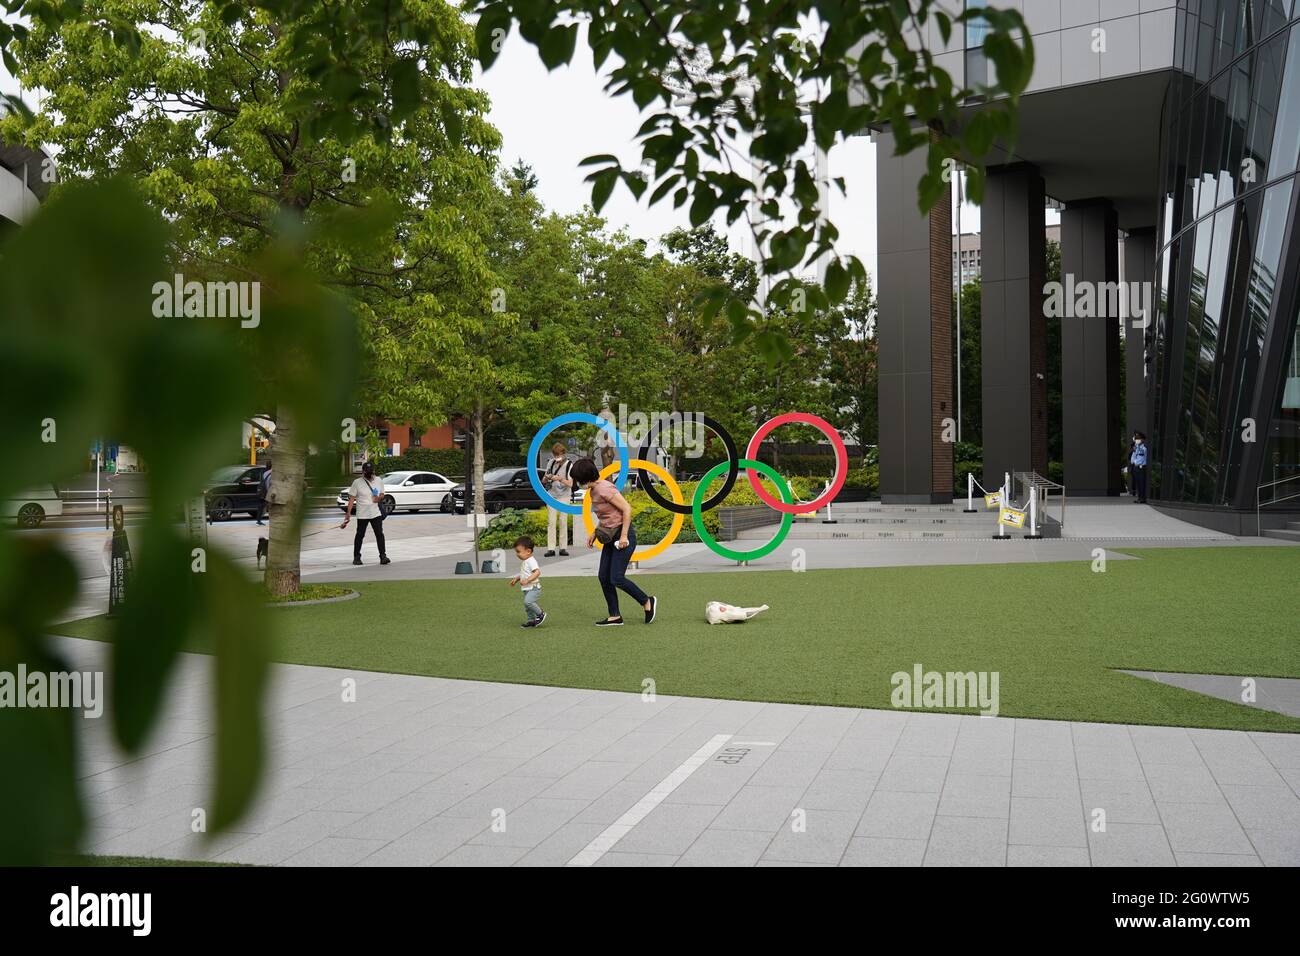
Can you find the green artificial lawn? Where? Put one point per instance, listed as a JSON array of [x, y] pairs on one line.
[[1053, 632]]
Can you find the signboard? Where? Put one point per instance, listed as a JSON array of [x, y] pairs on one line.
[[119, 568], [196, 521], [1012, 516], [993, 500]]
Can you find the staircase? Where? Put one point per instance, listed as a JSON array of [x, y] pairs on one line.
[[870, 520], [1290, 533]]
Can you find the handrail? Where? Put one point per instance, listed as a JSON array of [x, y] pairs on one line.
[[1036, 484], [1272, 501]]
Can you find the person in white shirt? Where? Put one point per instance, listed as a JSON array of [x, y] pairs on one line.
[[365, 495], [529, 580], [560, 485]]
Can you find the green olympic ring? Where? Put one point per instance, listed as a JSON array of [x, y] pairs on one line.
[[697, 515]]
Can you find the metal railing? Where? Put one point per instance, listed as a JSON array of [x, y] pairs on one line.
[[1274, 499], [1041, 489]]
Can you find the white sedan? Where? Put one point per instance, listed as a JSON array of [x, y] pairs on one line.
[[31, 506], [409, 491]]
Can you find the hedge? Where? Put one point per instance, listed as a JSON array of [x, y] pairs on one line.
[[447, 461]]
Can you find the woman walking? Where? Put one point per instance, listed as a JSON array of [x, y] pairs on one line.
[[618, 540]]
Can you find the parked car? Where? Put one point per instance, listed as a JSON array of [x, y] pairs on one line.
[[411, 491], [31, 506], [232, 489], [502, 488]]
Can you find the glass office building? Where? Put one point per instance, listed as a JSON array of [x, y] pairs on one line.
[[1222, 354]]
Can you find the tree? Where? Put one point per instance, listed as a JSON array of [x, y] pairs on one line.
[[972, 363], [242, 146], [740, 89]]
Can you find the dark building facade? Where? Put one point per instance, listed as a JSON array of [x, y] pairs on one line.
[[1224, 386], [1176, 125]]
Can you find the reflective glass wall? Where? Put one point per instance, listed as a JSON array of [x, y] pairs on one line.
[[1223, 376]]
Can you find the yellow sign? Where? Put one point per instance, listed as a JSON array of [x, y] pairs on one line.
[[1012, 516], [993, 500]]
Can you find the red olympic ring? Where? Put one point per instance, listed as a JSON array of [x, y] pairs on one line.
[[841, 462]]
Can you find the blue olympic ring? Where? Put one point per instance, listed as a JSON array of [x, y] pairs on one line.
[[573, 418]]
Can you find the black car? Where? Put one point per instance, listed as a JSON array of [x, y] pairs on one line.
[[233, 489], [502, 488]]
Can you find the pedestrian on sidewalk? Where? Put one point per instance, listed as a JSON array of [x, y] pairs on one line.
[[618, 541], [367, 495], [560, 485], [263, 492], [1137, 466]]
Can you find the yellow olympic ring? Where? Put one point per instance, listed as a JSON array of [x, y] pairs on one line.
[[644, 554]]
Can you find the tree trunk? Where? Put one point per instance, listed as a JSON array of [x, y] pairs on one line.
[[285, 504], [480, 506]]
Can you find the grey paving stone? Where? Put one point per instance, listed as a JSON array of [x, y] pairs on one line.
[[277, 845], [726, 848], [1124, 801], [789, 769], [670, 828], [1217, 859], [401, 816], [1049, 779], [1281, 750], [824, 840], [615, 858], [967, 841], [478, 854], [913, 773], [1165, 745], [1264, 808], [976, 795], [506, 794], [1047, 856], [379, 793], [1108, 763], [1130, 844], [1047, 821], [588, 781], [562, 845], [765, 809], [334, 851], [427, 843], [1276, 847], [1202, 828], [898, 815], [878, 851], [530, 824], [1176, 783]]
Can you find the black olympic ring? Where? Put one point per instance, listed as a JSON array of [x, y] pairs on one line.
[[732, 473]]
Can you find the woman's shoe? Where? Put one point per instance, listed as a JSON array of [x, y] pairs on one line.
[[650, 614], [617, 622]]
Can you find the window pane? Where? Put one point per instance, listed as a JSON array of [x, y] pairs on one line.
[[1286, 141]]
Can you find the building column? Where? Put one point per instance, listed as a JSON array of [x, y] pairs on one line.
[[1013, 270], [1090, 412], [914, 332], [1139, 267]]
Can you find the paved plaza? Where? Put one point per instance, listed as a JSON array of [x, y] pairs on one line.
[[426, 771]]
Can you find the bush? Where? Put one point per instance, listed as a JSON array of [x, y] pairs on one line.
[[509, 524]]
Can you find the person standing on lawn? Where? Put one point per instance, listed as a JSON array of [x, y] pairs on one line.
[[367, 495], [618, 541], [560, 485]]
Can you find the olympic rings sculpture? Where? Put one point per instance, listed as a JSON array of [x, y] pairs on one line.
[[787, 506]]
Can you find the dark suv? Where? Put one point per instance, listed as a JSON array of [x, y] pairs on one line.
[[502, 488], [234, 488]]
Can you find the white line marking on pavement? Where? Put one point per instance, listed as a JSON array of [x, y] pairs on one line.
[[605, 841]]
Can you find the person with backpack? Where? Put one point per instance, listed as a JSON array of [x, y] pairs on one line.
[[263, 492], [560, 485], [367, 495]]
